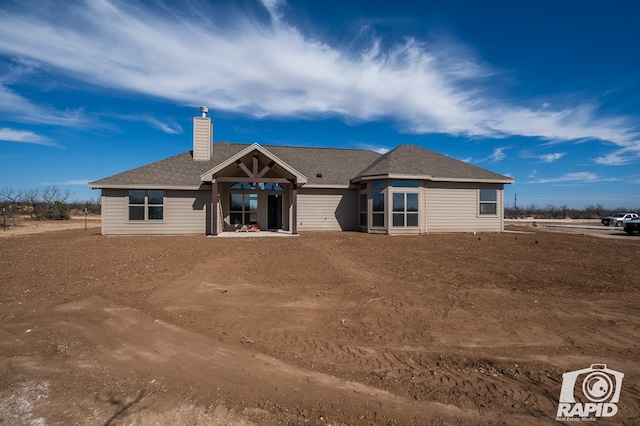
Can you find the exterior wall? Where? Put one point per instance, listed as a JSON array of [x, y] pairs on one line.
[[327, 209], [444, 207], [453, 207], [185, 213]]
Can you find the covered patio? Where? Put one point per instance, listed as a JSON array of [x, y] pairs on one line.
[[254, 188]]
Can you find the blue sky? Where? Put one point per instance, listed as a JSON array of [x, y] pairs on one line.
[[547, 92]]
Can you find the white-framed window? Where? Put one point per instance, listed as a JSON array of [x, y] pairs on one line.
[[146, 204], [405, 209], [377, 204], [364, 201], [488, 202]]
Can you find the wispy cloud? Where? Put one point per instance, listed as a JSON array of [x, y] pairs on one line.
[[375, 148], [167, 126], [17, 108], [264, 68], [24, 136], [550, 158], [575, 178], [70, 182], [621, 156], [498, 154]]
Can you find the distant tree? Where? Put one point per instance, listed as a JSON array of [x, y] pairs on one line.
[[47, 203], [78, 207], [551, 211], [33, 198], [9, 195], [54, 204]]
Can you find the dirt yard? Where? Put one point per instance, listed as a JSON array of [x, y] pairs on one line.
[[320, 329]]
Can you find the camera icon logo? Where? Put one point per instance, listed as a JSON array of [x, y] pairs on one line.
[[590, 392]]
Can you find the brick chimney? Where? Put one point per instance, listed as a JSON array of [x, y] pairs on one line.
[[202, 136]]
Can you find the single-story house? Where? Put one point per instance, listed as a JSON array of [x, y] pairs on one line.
[[222, 186]]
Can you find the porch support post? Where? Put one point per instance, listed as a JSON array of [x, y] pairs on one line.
[[294, 207], [214, 207]]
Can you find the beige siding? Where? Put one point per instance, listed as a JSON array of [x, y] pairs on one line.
[[185, 213], [327, 209], [453, 207], [202, 138]]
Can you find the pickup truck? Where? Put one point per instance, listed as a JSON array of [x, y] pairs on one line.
[[632, 225], [618, 219]]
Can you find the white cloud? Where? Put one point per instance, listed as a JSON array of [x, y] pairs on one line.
[[70, 182], [550, 158], [622, 156], [575, 177], [25, 136], [17, 108], [498, 154], [167, 126], [241, 64]]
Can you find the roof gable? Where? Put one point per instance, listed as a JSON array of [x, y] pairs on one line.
[[249, 150], [425, 164]]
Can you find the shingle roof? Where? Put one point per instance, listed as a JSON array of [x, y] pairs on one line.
[[179, 170], [337, 166], [411, 159]]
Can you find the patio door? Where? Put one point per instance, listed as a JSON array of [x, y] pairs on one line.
[[274, 211]]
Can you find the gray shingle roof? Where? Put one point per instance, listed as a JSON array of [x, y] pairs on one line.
[[337, 166], [179, 170], [411, 159]]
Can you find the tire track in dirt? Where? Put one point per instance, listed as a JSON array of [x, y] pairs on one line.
[[352, 284], [448, 380], [127, 339]]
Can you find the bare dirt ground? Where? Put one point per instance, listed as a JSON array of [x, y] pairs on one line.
[[324, 328]]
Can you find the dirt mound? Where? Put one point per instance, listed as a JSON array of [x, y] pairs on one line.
[[319, 329]]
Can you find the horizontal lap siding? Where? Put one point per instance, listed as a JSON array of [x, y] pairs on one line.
[[453, 207], [185, 213], [327, 210]]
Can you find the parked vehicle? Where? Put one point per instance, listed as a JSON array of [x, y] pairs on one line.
[[618, 219], [632, 225]]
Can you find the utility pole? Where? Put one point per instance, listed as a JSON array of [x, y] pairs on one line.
[[515, 201]]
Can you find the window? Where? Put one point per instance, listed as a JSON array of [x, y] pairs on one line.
[[405, 209], [363, 209], [378, 203], [377, 213], [488, 204], [243, 209], [405, 183], [261, 186], [146, 205]]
